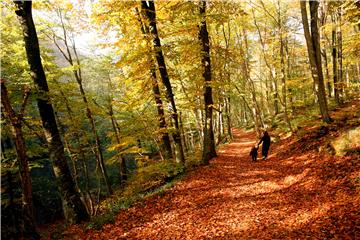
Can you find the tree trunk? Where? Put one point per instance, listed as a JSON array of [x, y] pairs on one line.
[[228, 117], [183, 136], [255, 106], [122, 163], [148, 8], [228, 79], [328, 84], [283, 71], [273, 81], [313, 46], [71, 154], [77, 134], [334, 59], [74, 208], [339, 57], [15, 119], [89, 114], [166, 144], [209, 151]]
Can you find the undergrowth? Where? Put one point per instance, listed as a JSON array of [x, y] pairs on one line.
[[153, 178]]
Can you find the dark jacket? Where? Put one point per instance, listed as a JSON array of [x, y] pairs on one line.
[[265, 140], [253, 151]]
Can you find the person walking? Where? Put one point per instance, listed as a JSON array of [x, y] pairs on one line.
[[265, 140], [254, 153]]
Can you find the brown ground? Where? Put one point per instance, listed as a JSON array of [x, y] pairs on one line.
[[287, 196]]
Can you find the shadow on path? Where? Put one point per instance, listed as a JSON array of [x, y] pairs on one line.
[[296, 197]]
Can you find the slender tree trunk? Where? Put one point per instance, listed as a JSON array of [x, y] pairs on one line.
[[71, 154], [200, 126], [81, 156], [78, 76], [220, 123], [228, 79], [74, 208], [15, 119], [166, 144], [148, 8], [322, 22], [313, 46], [183, 136], [255, 108], [228, 117], [122, 163], [334, 59], [340, 58], [283, 71], [273, 81], [209, 142], [328, 84], [98, 152]]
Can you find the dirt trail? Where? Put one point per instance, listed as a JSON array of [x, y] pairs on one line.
[[292, 197]]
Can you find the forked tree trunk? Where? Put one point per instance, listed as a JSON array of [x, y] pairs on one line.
[[74, 208], [78, 76], [209, 150], [148, 8], [29, 230], [313, 46]]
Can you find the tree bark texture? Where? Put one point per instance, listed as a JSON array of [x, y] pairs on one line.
[[148, 8], [209, 150], [74, 208], [166, 144], [340, 59], [334, 59], [15, 119], [313, 46]]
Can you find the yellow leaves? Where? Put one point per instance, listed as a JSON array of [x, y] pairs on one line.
[[125, 141]]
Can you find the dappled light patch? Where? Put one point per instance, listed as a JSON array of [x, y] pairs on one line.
[[295, 195], [347, 142]]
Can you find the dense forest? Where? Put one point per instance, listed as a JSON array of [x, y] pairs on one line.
[[107, 103]]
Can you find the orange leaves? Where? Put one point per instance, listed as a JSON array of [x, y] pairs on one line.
[[300, 196]]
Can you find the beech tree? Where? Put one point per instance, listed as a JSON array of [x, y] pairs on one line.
[[74, 208], [166, 144], [313, 45], [16, 120], [71, 56], [131, 89], [209, 150], [148, 8]]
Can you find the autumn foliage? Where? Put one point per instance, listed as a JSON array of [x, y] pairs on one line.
[[297, 193]]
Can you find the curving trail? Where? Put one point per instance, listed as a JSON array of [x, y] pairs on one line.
[[284, 197]]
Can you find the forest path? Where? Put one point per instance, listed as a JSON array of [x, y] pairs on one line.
[[234, 198]]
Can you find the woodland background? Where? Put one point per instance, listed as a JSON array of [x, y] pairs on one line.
[[142, 91]]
